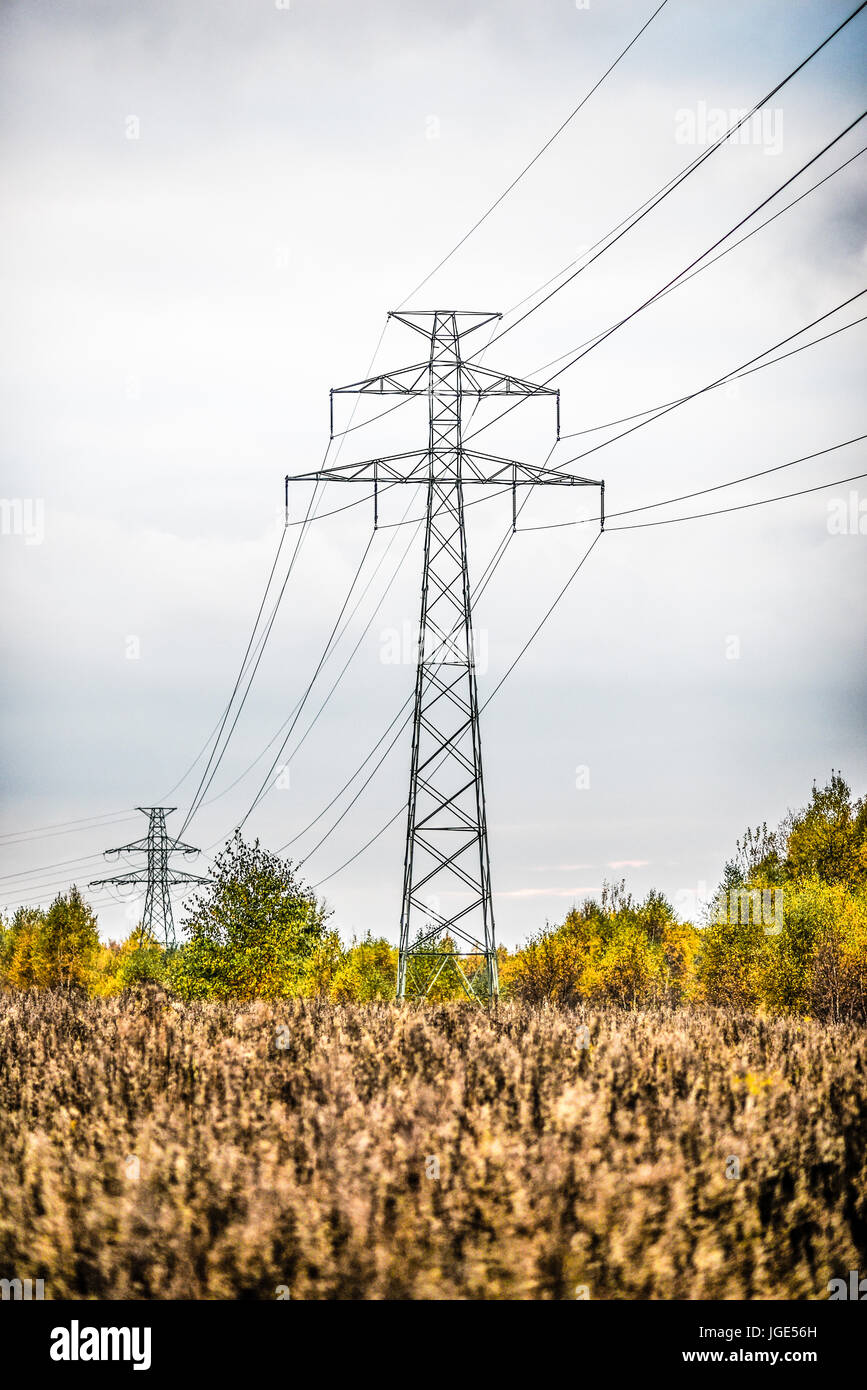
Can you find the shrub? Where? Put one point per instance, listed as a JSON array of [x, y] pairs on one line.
[[253, 932]]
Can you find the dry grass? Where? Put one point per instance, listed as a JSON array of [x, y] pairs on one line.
[[305, 1166]]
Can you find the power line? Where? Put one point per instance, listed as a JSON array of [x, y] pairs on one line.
[[48, 832], [686, 171], [357, 502], [507, 538], [266, 782], [362, 424], [348, 783], [208, 775], [487, 576], [534, 634], [711, 262], [479, 589], [656, 412], [685, 278], [365, 784], [362, 635], [718, 381], [19, 837], [502, 548], [633, 526], [743, 506], [670, 284], [221, 723], [700, 492], [735, 375], [364, 847], [527, 167], [37, 887], [762, 502], [344, 669], [204, 784], [693, 268], [46, 868], [109, 818], [403, 808], [97, 902]]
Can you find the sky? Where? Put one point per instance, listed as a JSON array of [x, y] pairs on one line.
[[209, 211]]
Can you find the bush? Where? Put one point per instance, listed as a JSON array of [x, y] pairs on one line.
[[615, 951], [253, 932], [367, 970], [57, 948]]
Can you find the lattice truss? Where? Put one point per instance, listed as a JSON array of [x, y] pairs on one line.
[[447, 920], [159, 876]]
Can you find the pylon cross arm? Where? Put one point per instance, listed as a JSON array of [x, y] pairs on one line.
[[134, 847], [417, 320], [179, 847], [119, 878], [440, 466], [415, 380]]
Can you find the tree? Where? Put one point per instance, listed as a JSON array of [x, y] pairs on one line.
[[615, 950], [67, 942], [828, 839], [368, 970], [812, 956], [253, 932], [20, 958]]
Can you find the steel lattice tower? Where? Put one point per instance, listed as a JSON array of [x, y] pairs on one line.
[[447, 920], [159, 875]]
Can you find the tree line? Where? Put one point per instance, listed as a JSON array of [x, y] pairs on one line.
[[785, 932]]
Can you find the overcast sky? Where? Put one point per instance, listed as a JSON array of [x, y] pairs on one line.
[[209, 210]]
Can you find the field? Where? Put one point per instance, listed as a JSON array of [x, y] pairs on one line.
[[153, 1149]]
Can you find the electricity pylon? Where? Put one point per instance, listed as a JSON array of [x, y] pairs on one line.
[[447, 912], [159, 875]]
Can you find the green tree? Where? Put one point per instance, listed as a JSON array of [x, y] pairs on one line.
[[141, 961], [367, 970], [253, 932], [67, 942], [828, 839], [811, 957], [19, 958], [616, 950]]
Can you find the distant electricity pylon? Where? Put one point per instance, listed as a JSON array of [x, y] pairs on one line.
[[157, 920], [447, 914]]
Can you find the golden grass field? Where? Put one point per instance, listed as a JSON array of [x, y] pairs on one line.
[[152, 1149]]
